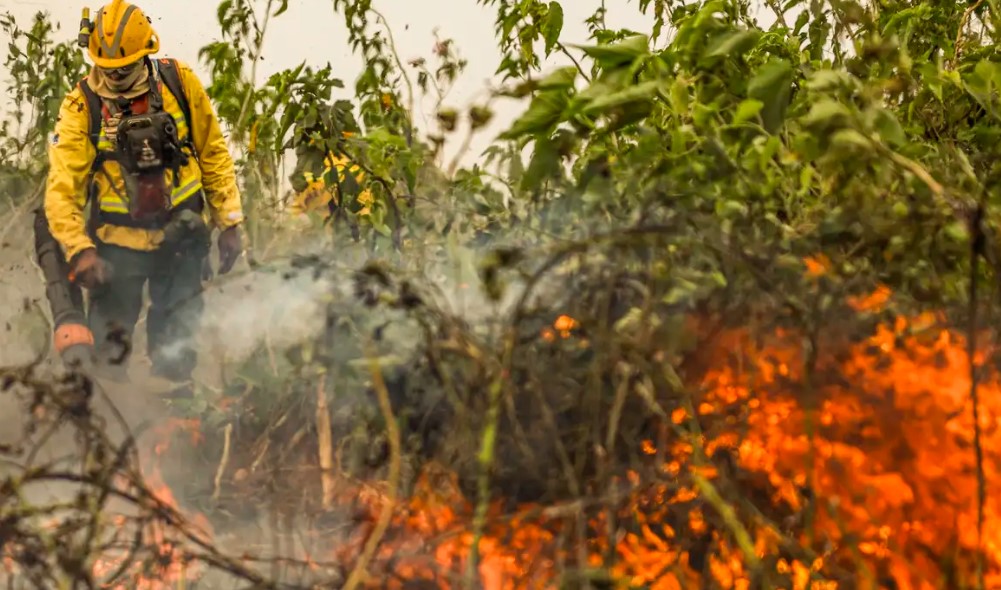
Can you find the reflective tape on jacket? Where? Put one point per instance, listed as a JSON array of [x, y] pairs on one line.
[[113, 203]]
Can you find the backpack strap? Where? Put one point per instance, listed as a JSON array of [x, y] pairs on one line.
[[95, 112], [95, 109], [167, 67]]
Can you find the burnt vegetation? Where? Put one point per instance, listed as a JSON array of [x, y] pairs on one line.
[[715, 331]]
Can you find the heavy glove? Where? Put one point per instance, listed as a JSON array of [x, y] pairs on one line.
[[88, 270], [230, 248]]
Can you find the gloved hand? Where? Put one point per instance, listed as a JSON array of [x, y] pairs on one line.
[[230, 248], [88, 270]]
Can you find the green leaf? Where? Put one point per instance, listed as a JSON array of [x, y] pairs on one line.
[[850, 139], [542, 114], [553, 26], [733, 42], [731, 209], [826, 80], [702, 114], [988, 70], [223, 10], [608, 82], [381, 136], [679, 96], [772, 85], [629, 114], [679, 140], [889, 128], [747, 110], [644, 92], [683, 291], [931, 78], [624, 52], [957, 231], [281, 9], [982, 85], [559, 79], [826, 112], [801, 21], [545, 163], [805, 178]]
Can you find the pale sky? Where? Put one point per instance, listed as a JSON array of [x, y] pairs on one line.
[[311, 30]]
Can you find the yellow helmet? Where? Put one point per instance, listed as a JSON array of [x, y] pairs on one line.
[[121, 35]]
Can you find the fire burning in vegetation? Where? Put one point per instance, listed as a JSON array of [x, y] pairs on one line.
[[877, 478], [851, 469], [170, 568], [874, 470]]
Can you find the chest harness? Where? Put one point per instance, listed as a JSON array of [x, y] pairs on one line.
[[145, 143]]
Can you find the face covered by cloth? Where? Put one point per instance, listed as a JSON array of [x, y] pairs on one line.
[[129, 82]]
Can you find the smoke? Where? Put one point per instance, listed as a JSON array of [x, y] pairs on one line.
[[282, 301], [23, 324], [280, 307]]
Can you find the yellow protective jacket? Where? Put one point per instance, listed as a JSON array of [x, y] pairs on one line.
[[316, 196], [71, 155]]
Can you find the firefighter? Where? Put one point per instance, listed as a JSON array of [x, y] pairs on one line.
[[139, 141], [317, 198]]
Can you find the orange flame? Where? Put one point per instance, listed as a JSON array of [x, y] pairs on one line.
[[880, 462]]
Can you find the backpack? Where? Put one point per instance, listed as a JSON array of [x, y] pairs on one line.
[[167, 69]]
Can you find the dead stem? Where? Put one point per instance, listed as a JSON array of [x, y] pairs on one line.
[[962, 25], [325, 444], [976, 247], [359, 573], [223, 461], [621, 393], [485, 459]]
